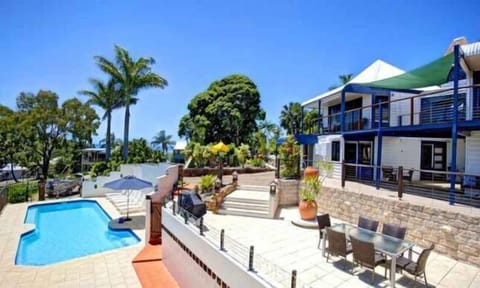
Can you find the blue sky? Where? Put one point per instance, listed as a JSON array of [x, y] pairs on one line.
[[293, 50]]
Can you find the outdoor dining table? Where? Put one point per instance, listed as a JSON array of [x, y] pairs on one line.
[[391, 246]]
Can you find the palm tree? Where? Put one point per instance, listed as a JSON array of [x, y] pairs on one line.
[[267, 128], [107, 97], [132, 76], [345, 78], [311, 121], [291, 117], [163, 140]]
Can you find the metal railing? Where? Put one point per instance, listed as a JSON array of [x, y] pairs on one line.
[[433, 184], [404, 111], [244, 255]]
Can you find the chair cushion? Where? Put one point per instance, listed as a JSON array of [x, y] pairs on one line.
[[411, 268], [379, 259], [402, 262]]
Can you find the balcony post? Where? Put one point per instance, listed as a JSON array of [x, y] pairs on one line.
[[379, 150], [342, 112], [301, 122], [453, 165], [320, 118]]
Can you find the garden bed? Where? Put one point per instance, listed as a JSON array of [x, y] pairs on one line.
[[196, 172]]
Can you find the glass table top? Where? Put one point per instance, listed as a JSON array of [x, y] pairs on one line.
[[383, 243]]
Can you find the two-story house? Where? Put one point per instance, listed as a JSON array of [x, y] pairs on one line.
[[426, 120]]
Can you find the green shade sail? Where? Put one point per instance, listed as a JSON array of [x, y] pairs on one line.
[[434, 73]]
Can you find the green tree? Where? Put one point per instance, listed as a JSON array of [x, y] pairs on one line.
[[132, 76], [242, 153], [10, 139], [46, 126], [162, 140], [227, 111], [344, 79], [107, 97], [289, 157], [291, 117]]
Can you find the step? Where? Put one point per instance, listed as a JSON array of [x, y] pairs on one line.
[[242, 212], [254, 188], [231, 198], [246, 206]]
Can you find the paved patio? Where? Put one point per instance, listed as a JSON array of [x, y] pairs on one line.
[[108, 269], [291, 247]]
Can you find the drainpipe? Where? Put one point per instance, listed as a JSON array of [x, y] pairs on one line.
[[453, 165]]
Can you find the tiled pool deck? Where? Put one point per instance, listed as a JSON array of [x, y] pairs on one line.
[[107, 269]]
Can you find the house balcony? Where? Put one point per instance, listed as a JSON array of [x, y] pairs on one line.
[[414, 112]]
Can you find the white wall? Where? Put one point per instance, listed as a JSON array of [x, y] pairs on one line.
[[401, 151], [148, 172], [405, 151], [472, 152], [460, 154], [165, 182], [400, 108], [186, 272]]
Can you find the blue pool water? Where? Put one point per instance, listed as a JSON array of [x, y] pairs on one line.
[[68, 230]]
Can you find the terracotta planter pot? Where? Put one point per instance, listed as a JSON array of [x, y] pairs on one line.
[[310, 172], [308, 209]]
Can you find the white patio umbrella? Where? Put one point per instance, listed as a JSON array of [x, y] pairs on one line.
[[127, 183]]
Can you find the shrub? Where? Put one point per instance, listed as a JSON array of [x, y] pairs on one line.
[[290, 157], [207, 182], [256, 162], [16, 192], [99, 168]]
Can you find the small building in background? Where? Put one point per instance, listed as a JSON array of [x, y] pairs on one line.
[[178, 156], [91, 156]]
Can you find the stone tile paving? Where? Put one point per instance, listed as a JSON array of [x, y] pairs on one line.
[[108, 269], [291, 247]]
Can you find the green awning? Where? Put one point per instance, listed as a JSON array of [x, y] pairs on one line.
[[434, 73]]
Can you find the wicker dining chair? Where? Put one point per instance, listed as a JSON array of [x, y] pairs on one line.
[[337, 245], [323, 221], [416, 268], [394, 230], [366, 223], [364, 254]]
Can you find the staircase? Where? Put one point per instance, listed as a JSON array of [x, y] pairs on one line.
[[250, 201]]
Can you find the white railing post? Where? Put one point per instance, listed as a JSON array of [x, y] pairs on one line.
[[148, 219]]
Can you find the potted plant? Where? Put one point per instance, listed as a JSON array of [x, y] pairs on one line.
[[313, 179], [308, 205]]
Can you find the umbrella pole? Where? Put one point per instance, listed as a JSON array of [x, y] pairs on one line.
[[128, 202]]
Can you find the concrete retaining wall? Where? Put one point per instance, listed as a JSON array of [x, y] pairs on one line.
[[288, 191]]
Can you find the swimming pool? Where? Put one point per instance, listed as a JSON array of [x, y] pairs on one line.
[[68, 230]]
